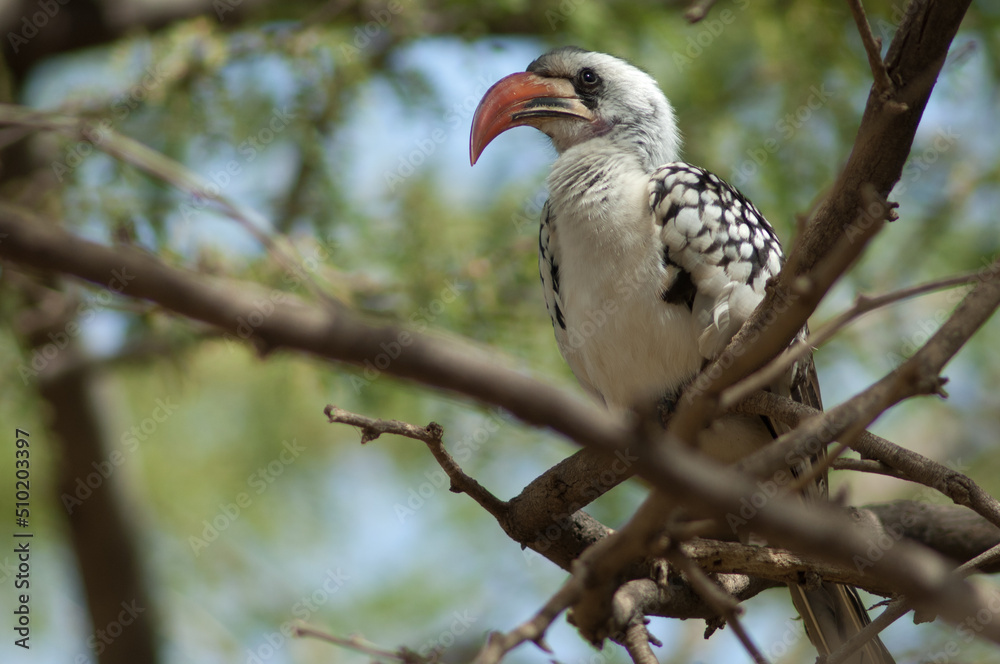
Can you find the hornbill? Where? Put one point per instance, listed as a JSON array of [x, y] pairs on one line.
[[650, 265]]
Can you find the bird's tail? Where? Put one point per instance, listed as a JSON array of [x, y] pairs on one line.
[[832, 614]]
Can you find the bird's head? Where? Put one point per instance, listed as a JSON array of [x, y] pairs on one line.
[[575, 96]]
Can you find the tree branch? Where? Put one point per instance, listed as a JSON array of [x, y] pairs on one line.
[[873, 48], [920, 374], [637, 639], [358, 644], [882, 146], [863, 304], [716, 597], [432, 435]]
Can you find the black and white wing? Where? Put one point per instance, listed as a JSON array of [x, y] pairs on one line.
[[719, 251]]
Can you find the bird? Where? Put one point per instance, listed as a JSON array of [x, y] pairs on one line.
[[649, 265]]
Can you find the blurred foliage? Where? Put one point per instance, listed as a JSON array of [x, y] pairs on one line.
[[324, 121]]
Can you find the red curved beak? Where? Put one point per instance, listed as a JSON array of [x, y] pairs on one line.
[[522, 99]]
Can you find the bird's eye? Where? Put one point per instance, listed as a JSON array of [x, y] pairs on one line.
[[589, 77]]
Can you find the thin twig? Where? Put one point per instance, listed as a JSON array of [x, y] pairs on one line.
[[158, 165], [863, 304], [373, 428], [718, 598], [896, 609], [867, 466], [900, 606], [432, 435], [982, 560], [820, 466], [669, 465], [758, 341], [499, 644], [873, 48], [358, 644]]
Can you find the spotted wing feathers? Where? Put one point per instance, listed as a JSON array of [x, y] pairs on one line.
[[719, 251]]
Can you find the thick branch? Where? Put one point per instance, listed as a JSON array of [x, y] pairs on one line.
[[954, 531], [876, 162], [918, 375], [289, 322]]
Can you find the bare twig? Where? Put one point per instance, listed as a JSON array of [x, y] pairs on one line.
[[431, 435], [601, 566], [914, 60], [895, 610], [499, 644], [751, 348], [358, 644], [863, 304], [718, 598], [979, 562], [373, 428], [900, 606], [774, 564], [867, 466], [162, 167], [873, 47]]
